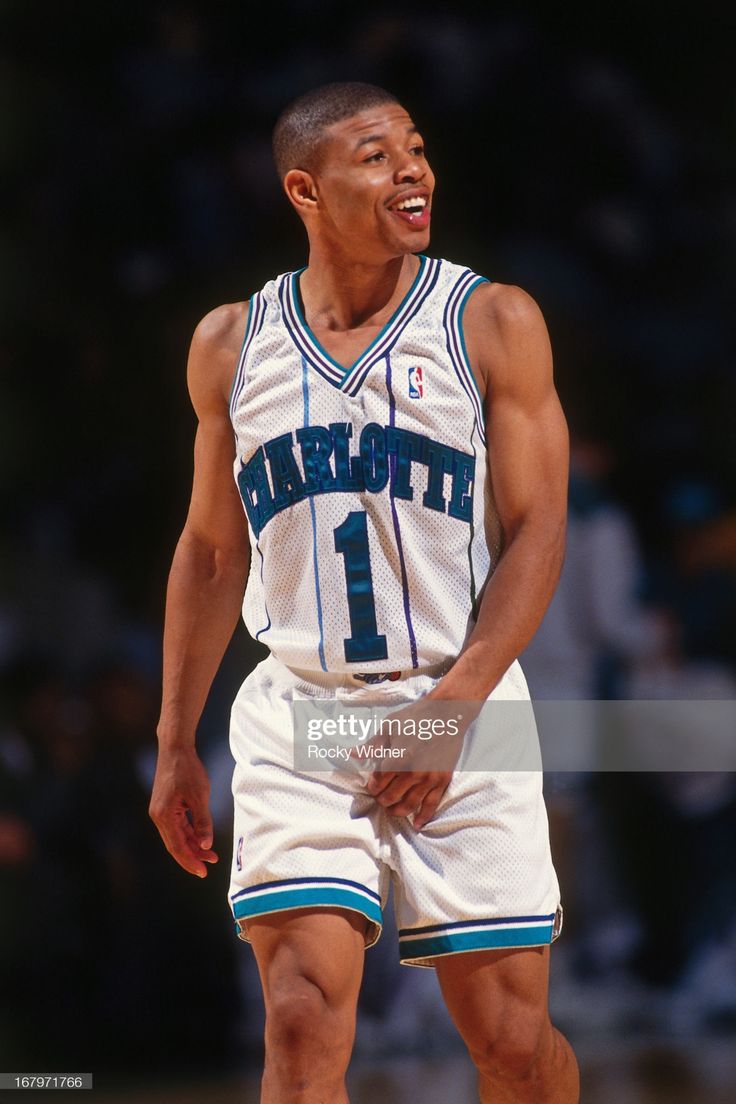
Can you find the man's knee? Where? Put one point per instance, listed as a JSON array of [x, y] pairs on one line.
[[300, 1019], [510, 1046]]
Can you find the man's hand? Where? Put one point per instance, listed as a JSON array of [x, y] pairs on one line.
[[407, 792], [180, 808], [432, 757]]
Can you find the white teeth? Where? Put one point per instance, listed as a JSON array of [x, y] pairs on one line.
[[412, 201]]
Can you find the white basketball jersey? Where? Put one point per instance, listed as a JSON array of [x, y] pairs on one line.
[[371, 523]]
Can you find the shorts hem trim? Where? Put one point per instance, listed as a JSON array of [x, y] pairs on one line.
[[459, 925], [420, 951], [283, 884], [308, 893]]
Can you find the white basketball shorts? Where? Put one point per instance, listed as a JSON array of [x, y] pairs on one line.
[[478, 876]]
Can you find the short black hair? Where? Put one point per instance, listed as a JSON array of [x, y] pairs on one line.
[[300, 127]]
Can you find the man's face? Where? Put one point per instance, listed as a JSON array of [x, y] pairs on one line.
[[374, 185]]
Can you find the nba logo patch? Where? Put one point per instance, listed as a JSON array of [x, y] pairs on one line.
[[416, 382], [239, 854]]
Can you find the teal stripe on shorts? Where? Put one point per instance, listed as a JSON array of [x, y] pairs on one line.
[[326, 896], [492, 938]]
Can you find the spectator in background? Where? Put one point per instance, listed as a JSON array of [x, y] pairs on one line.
[[674, 832], [17, 855], [140, 972], [47, 745], [87, 903], [595, 631], [697, 579], [595, 621], [628, 844]]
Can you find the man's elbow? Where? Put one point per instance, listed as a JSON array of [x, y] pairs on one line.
[[544, 538], [215, 557]]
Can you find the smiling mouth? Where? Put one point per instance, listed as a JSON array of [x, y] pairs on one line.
[[412, 209], [412, 204]]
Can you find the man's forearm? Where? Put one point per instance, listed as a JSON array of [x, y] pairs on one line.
[[511, 610], [203, 601]]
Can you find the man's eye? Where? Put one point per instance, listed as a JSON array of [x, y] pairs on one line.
[[418, 150], [375, 156]]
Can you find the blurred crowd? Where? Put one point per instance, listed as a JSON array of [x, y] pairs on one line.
[[586, 162]]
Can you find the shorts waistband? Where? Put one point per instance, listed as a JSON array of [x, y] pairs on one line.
[[374, 680]]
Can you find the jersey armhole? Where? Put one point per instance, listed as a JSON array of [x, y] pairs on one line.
[[464, 348], [240, 365], [457, 346]]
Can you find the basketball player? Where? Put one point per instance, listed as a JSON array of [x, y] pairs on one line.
[[398, 511]]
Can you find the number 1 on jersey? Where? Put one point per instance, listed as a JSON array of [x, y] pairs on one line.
[[351, 541]]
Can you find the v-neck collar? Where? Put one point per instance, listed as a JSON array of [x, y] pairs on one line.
[[350, 379]]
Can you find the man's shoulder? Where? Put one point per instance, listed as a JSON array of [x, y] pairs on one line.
[[223, 326], [505, 308], [503, 326], [489, 301], [214, 354]]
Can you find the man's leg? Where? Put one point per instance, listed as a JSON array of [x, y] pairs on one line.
[[311, 965], [498, 1000]]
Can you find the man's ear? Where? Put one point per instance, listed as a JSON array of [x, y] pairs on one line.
[[301, 189]]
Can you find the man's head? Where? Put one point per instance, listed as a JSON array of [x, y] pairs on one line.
[[351, 159], [300, 130]]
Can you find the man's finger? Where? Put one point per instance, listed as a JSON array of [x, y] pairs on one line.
[[185, 859], [205, 853], [183, 855], [202, 823], [379, 780], [176, 843], [396, 789], [409, 802], [429, 806]]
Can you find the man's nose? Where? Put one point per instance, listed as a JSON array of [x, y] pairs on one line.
[[411, 169]]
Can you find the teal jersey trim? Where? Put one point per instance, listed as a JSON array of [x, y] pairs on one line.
[[240, 354], [473, 588], [461, 311], [346, 372], [456, 344]]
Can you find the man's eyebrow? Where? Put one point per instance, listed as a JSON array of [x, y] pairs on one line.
[[369, 139], [411, 129]]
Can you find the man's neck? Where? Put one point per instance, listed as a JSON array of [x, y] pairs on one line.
[[341, 294]]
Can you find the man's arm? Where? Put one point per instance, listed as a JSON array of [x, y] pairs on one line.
[[528, 464], [204, 595], [527, 441]]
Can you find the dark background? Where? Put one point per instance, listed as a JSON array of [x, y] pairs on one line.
[[585, 152]]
